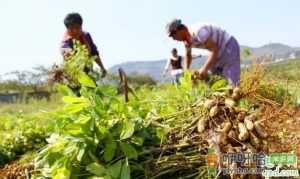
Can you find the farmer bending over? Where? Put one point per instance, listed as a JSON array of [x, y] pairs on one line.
[[225, 51]]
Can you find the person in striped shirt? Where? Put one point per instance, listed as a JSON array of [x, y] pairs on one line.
[[225, 51]]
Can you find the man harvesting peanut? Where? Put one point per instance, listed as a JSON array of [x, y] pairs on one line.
[[224, 57], [73, 23]]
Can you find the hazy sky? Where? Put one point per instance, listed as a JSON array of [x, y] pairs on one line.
[[127, 30]]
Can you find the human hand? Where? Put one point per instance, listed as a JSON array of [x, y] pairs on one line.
[[200, 74], [67, 52], [104, 72]]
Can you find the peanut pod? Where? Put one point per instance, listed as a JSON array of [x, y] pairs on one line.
[[202, 124], [243, 132], [260, 130], [255, 141], [226, 127], [214, 111], [249, 124]]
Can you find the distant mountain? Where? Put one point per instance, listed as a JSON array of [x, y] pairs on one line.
[[155, 68], [152, 68], [297, 48], [277, 50], [297, 53]]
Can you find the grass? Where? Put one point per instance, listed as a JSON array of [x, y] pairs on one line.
[[33, 106], [278, 81], [24, 126], [287, 74]]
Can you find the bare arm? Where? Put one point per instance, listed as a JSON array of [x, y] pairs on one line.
[[188, 57], [211, 60], [100, 64]]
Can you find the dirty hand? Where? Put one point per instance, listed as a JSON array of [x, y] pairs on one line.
[[104, 72], [200, 74], [67, 56], [67, 52]]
